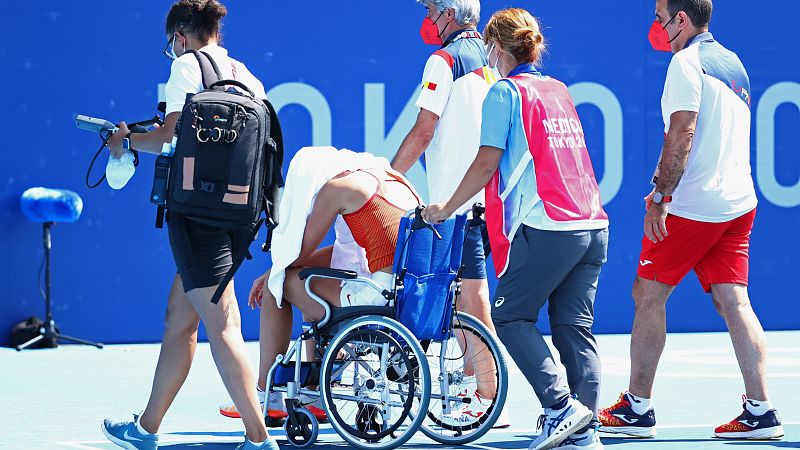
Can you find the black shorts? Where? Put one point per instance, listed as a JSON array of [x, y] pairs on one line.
[[473, 256], [203, 253]]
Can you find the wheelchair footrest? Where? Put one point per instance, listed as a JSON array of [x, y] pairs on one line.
[[309, 373]]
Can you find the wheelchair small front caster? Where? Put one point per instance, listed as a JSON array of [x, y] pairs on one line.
[[303, 433]]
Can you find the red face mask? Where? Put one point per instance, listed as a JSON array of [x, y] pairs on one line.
[[430, 32], [659, 37]]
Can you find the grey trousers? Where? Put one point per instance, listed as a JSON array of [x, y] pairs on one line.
[[562, 267]]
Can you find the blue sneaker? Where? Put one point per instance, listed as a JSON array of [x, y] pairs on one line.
[[126, 435], [269, 444], [588, 440], [559, 424]]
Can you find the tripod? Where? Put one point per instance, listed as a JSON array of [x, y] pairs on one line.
[[47, 332]]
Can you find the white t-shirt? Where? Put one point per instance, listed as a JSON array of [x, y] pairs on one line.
[[454, 84], [186, 78], [708, 79]]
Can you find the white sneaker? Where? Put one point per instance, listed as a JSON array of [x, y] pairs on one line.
[[275, 414], [314, 405], [468, 413], [558, 424], [588, 440], [475, 409]]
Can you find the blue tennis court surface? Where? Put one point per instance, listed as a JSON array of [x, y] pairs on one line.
[[56, 399]]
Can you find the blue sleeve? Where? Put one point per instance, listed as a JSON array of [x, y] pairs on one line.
[[496, 115]]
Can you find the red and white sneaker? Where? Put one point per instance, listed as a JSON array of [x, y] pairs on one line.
[[477, 407], [467, 413], [314, 406], [620, 418], [749, 426], [275, 414]]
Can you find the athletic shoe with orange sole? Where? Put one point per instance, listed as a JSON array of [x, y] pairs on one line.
[[749, 426], [314, 406], [276, 413], [620, 418]]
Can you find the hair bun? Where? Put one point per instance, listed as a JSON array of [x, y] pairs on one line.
[[214, 10], [518, 32], [524, 33]]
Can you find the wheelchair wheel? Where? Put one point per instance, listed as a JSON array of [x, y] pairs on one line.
[[303, 433], [468, 366], [384, 385]]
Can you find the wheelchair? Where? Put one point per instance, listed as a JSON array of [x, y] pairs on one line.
[[388, 371]]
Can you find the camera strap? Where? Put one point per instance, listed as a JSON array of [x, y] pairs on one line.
[[160, 213]]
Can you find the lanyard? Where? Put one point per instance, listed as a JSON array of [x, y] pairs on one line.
[[468, 34]]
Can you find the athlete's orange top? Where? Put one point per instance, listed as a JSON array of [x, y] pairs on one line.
[[375, 225]]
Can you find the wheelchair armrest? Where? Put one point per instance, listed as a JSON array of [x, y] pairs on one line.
[[327, 273]]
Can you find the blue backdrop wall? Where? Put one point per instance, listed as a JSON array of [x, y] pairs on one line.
[[345, 74]]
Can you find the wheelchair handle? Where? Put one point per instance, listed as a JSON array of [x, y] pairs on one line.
[[419, 223], [478, 211]]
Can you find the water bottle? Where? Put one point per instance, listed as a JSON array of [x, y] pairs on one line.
[[158, 194], [120, 170]]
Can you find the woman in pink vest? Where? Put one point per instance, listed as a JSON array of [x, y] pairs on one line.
[[547, 228]]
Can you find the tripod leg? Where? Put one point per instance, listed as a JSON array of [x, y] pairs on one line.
[[30, 342], [77, 340]]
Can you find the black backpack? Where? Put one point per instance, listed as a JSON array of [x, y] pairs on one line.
[[226, 168]]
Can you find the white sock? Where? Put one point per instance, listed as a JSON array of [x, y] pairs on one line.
[[640, 405], [140, 429], [757, 407], [257, 444], [261, 394]]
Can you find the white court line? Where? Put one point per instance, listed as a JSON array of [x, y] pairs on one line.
[[705, 374], [85, 445]]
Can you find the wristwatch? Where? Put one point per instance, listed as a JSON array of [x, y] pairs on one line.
[[659, 198], [126, 142]]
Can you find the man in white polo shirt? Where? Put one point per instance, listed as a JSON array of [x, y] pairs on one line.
[[699, 216], [455, 82]]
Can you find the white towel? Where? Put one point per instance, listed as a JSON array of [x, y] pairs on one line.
[[309, 170], [347, 254]]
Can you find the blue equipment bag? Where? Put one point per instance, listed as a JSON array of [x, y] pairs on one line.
[[427, 268]]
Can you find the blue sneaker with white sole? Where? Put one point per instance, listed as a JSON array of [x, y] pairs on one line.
[[559, 424], [126, 435], [588, 440], [269, 444]]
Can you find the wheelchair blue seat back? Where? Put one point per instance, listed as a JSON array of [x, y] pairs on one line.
[[427, 267]]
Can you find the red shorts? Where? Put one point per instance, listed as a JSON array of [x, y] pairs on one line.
[[718, 252]]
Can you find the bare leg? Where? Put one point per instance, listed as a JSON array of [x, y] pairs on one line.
[[649, 334], [275, 332], [475, 302], [747, 335], [223, 326], [175, 359]]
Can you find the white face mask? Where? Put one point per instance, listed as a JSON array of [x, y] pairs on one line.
[[492, 47]]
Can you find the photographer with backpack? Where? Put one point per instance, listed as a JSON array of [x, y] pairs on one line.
[[205, 251]]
